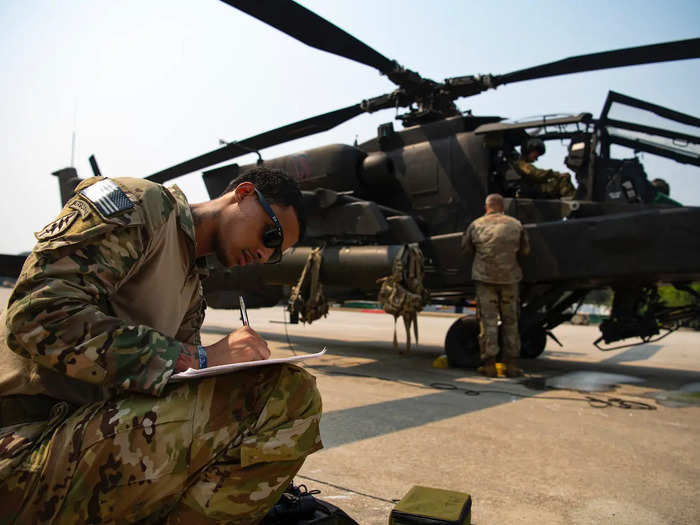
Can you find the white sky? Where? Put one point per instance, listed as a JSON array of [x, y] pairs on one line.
[[151, 83]]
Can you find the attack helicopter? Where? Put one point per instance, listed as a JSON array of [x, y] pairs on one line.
[[422, 185]]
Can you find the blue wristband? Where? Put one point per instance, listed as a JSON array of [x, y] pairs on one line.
[[202, 354]]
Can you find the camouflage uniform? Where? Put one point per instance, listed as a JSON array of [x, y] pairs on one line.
[[495, 240], [550, 183], [90, 429]]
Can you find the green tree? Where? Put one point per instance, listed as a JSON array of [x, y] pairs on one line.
[[672, 296]]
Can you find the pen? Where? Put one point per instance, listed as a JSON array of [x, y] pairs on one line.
[[244, 312]]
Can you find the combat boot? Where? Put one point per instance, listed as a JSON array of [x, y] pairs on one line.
[[488, 369], [512, 369]]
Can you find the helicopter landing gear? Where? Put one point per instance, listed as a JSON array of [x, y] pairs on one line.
[[532, 342], [462, 343]]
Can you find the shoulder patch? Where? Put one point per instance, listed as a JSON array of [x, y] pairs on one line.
[[57, 227], [80, 206], [107, 197]]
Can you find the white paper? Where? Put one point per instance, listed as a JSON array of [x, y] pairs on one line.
[[191, 373]]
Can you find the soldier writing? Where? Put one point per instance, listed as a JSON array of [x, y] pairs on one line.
[[108, 306], [496, 241], [549, 183]]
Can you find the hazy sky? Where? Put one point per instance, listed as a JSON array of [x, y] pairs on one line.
[[147, 84]]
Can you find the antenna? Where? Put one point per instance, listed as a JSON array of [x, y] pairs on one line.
[[94, 166], [72, 148]]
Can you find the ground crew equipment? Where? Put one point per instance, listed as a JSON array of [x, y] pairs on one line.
[[402, 293], [429, 506], [307, 300]]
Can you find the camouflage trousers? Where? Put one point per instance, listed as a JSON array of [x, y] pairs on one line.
[[221, 449], [494, 301]]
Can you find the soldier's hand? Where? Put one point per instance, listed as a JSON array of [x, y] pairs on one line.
[[238, 347]]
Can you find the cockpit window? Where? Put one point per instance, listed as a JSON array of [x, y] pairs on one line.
[[648, 127]]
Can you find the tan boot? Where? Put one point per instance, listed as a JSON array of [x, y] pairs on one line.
[[512, 369], [488, 369]]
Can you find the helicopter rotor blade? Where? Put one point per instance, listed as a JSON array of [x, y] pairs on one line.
[[470, 85], [309, 28], [631, 56], [296, 130]]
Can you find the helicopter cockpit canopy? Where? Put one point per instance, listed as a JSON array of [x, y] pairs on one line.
[[650, 128], [625, 121], [505, 137], [643, 127], [545, 127]]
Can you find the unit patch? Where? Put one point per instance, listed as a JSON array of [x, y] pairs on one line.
[[57, 227], [83, 208], [107, 197]]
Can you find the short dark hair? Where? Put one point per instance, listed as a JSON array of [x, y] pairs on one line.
[[662, 186], [494, 201], [277, 187]]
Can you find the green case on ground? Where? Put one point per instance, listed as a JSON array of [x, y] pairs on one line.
[[428, 506]]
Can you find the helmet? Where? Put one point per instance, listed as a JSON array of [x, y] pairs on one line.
[[661, 185], [535, 145]]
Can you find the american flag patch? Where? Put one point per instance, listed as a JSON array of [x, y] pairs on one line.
[[107, 197]]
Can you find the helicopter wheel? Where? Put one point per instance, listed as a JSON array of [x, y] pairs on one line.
[[462, 343], [533, 342]]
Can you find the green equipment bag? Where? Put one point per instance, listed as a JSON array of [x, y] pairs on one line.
[[428, 506]]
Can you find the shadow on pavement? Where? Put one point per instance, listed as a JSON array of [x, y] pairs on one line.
[[419, 359], [341, 427], [654, 377], [417, 363], [339, 346], [378, 360], [639, 353]]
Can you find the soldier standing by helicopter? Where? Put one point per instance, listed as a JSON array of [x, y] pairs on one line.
[[496, 241], [549, 183]]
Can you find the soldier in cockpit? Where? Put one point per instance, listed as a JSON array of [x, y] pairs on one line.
[[547, 183]]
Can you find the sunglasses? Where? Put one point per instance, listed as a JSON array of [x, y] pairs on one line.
[[273, 234]]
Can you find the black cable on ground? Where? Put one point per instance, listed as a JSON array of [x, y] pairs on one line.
[[593, 402], [340, 487]]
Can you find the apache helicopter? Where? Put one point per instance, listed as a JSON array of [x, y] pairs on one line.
[[424, 184]]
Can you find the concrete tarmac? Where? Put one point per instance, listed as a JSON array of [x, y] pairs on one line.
[[526, 454]]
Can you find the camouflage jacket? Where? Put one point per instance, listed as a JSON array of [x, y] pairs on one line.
[[496, 240], [107, 297], [534, 175]]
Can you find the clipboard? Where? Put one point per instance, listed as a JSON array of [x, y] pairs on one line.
[[191, 373]]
